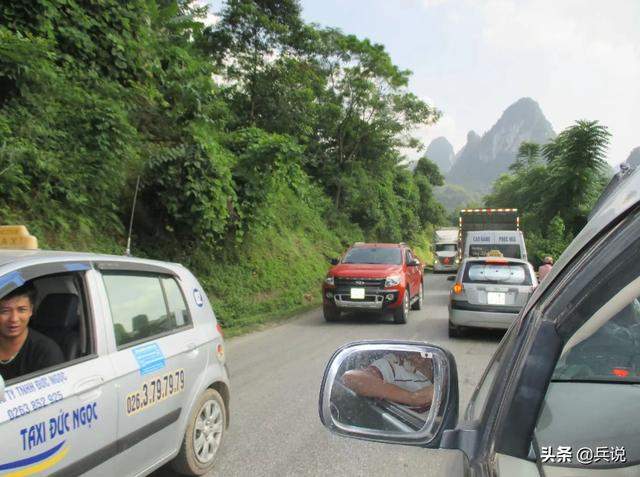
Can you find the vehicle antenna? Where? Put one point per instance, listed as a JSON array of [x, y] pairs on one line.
[[127, 252]]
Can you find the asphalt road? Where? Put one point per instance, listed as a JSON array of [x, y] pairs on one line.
[[275, 378]]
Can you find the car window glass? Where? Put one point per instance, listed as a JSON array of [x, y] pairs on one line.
[[178, 310], [138, 307], [446, 247], [512, 251], [497, 273], [57, 326], [392, 256], [480, 397], [588, 415]]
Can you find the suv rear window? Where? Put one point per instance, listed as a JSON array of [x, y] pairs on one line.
[[497, 273], [374, 255]]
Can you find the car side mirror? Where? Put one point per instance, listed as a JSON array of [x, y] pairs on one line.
[[400, 392], [1, 389], [414, 263], [334, 261], [451, 278]]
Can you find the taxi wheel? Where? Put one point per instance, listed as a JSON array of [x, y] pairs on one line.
[[400, 314], [206, 426], [417, 305]]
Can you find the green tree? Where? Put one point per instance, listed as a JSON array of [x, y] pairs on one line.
[[250, 35], [528, 155], [577, 169]]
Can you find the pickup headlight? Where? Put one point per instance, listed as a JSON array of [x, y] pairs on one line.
[[329, 281], [392, 281]]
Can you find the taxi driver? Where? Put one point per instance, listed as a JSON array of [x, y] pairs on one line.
[[404, 378], [23, 350]]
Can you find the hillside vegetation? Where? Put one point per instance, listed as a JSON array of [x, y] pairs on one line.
[[555, 186], [264, 145]]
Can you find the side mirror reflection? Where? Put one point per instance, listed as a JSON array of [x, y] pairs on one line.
[[402, 392]]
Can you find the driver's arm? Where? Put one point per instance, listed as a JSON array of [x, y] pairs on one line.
[[368, 382]]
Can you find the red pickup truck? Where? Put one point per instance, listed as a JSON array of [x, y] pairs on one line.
[[380, 277]]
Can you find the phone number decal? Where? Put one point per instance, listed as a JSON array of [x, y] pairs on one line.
[[155, 390]]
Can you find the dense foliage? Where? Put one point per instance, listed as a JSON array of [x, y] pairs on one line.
[[233, 129], [555, 186]]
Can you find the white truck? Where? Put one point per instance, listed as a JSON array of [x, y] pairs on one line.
[[483, 232], [445, 250]]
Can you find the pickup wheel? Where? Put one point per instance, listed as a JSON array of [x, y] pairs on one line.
[[417, 305], [400, 314], [330, 313]]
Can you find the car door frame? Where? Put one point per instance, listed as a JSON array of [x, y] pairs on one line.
[[516, 395]]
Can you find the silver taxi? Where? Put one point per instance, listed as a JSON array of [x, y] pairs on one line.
[[489, 292], [143, 379]]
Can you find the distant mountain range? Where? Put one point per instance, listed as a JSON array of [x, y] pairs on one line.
[[441, 152], [470, 173], [483, 159]]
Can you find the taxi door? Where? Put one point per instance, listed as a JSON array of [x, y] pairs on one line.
[[158, 362], [61, 420]]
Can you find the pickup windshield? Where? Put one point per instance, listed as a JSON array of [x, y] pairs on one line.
[[374, 255]]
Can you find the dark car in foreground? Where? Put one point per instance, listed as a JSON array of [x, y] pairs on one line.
[[561, 393]]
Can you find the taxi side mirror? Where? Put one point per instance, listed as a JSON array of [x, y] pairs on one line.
[[354, 404], [334, 261], [1, 389], [451, 278]]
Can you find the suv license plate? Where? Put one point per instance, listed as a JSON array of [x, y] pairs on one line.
[[357, 293], [495, 298]]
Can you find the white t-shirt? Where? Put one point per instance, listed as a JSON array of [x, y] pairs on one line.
[[394, 372]]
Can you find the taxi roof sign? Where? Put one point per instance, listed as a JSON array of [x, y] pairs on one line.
[[17, 237]]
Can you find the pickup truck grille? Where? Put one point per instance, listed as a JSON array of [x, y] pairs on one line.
[[359, 282]]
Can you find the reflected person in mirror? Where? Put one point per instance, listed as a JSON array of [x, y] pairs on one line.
[[404, 378]]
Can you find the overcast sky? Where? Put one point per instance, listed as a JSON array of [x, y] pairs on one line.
[[471, 59]]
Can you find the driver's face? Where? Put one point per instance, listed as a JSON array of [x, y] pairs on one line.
[[14, 316]]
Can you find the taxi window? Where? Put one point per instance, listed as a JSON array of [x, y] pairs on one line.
[[55, 320], [175, 300], [139, 309]]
